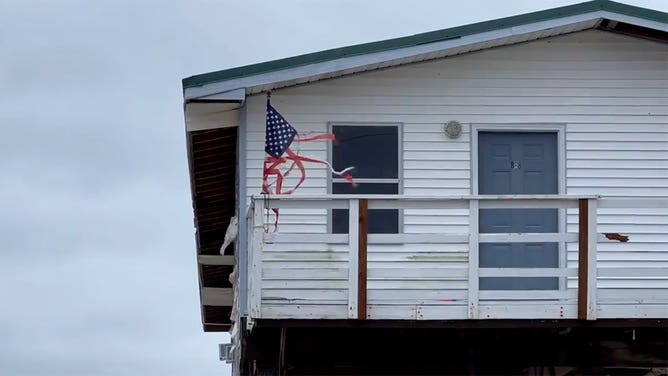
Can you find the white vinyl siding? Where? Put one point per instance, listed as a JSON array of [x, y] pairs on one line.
[[610, 91]]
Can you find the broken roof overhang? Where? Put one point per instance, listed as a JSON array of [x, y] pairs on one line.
[[337, 62]]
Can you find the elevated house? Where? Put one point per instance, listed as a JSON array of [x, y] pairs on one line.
[[507, 209]]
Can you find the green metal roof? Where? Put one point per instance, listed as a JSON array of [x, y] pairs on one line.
[[424, 38]]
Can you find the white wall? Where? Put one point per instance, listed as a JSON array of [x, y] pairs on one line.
[[610, 91]]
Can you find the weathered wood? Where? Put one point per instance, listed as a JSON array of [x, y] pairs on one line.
[[255, 260], [536, 310], [353, 259], [213, 296], [473, 278], [277, 237], [363, 229], [633, 296], [215, 260], [583, 257], [433, 274]]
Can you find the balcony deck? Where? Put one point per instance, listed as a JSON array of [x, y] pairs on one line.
[[300, 270]]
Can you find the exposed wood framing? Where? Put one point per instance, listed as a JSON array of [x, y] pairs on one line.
[[212, 296], [215, 260]]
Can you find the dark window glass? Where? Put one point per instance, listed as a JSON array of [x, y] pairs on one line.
[[381, 221], [372, 150]]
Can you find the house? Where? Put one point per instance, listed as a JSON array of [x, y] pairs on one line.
[[509, 199]]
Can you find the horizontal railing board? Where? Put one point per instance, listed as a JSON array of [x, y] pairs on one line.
[[391, 312], [526, 295], [633, 272], [282, 203], [415, 295], [424, 273], [372, 248], [323, 255], [418, 264], [528, 311], [528, 203], [406, 284], [417, 238], [527, 272], [277, 237], [305, 273], [414, 198], [633, 283], [304, 284], [620, 295], [288, 294], [527, 238], [425, 204], [416, 256], [615, 311], [294, 265], [298, 301], [323, 311], [441, 312], [404, 238]]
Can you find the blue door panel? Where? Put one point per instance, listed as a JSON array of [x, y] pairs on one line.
[[518, 163]]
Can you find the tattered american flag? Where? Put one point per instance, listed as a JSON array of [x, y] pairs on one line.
[[279, 135], [281, 160]]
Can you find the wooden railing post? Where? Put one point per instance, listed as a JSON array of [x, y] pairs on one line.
[[583, 257], [474, 206], [353, 257], [358, 228], [363, 219], [592, 243], [587, 239], [255, 252]]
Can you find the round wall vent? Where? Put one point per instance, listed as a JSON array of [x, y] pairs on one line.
[[453, 129]]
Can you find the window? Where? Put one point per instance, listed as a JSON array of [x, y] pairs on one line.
[[374, 152]]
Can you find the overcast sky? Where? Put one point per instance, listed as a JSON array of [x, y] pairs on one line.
[[97, 259]]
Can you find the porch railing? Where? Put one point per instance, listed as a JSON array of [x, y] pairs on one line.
[[357, 240]]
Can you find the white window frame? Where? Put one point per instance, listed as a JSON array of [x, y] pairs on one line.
[[400, 165]]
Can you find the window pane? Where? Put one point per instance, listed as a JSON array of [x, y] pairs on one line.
[[381, 221], [365, 189], [372, 150]]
